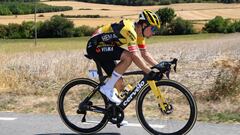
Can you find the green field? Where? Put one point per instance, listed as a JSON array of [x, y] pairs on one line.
[[56, 44]]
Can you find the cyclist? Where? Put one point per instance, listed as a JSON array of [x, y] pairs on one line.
[[104, 46]]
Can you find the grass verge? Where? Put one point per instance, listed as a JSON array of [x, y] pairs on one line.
[[56, 44], [226, 117]]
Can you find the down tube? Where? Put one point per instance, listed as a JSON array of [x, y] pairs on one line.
[[129, 98]]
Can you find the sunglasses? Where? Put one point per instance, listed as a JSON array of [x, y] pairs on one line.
[[154, 29]]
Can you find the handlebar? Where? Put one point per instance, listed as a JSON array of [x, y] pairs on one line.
[[166, 65], [163, 67]]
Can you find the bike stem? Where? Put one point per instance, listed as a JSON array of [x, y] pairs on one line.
[[157, 93]]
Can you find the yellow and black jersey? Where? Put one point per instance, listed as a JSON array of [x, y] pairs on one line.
[[119, 34]]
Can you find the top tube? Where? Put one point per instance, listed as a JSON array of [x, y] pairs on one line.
[[134, 73]]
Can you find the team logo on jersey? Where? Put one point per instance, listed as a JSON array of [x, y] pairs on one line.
[[107, 37], [104, 49], [98, 50], [107, 49]]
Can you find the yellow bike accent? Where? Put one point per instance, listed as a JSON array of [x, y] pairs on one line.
[[158, 94]]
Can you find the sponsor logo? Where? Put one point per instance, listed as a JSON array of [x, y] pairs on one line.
[[134, 93], [107, 49], [104, 49], [107, 37], [98, 50]]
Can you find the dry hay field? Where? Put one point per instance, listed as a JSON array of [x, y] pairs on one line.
[[28, 79], [194, 11]]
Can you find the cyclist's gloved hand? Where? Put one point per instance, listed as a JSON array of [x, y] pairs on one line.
[[162, 67], [152, 75]]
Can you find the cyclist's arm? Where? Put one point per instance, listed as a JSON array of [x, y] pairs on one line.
[[148, 57], [138, 60], [145, 54]]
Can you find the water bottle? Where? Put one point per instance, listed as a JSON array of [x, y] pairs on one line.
[[125, 91], [93, 74], [116, 91]]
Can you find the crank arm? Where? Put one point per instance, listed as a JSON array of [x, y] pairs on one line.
[[97, 109]]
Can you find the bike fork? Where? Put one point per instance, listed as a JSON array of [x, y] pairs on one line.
[[157, 92]]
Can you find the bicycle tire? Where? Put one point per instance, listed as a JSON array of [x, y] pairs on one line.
[[188, 122], [62, 110]]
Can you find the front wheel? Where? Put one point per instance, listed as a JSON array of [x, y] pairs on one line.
[[181, 107], [70, 99]]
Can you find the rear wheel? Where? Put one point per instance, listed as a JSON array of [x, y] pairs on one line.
[[181, 113], [70, 97]]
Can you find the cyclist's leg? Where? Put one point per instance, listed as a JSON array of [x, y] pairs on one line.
[[109, 53], [105, 56], [121, 67], [111, 67], [108, 67], [125, 62]]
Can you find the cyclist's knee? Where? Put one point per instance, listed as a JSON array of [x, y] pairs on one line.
[[126, 56]]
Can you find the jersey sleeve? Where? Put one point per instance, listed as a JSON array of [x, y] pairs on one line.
[[103, 29], [141, 43], [132, 48]]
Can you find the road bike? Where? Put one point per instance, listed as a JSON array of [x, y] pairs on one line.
[[163, 106]]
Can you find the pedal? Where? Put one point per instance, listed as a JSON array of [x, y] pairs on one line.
[[118, 125]]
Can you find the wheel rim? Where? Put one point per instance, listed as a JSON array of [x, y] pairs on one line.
[[155, 121], [69, 104]]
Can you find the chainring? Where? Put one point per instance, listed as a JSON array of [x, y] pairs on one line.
[[115, 114]]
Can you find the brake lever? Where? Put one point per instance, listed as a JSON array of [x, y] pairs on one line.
[[165, 67], [175, 68], [168, 74], [174, 61]]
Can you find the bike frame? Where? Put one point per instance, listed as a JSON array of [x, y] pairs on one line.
[[133, 94], [142, 85]]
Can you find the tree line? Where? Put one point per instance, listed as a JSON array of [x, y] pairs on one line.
[[56, 27], [154, 2], [19, 8], [19, 0], [59, 26], [172, 25]]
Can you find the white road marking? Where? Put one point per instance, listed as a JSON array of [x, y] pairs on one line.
[[7, 118], [139, 125], [128, 125]]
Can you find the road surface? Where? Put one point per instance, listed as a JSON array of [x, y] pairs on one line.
[[32, 124]]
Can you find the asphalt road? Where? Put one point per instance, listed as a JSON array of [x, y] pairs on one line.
[[29, 124]]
